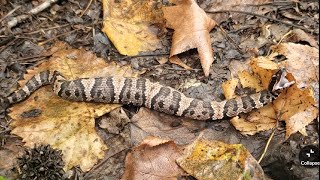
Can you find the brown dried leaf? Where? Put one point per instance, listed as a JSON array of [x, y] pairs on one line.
[[150, 123], [297, 108], [153, 159], [215, 160], [192, 27], [68, 126], [129, 24], [176, 60], [259, 120], [299, 35], [9, 152], [264, 67], [302, 61]]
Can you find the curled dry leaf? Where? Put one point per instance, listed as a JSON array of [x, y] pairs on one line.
[[191, 30], [215, 160], [68, 126], [153, 159], [129, 25]]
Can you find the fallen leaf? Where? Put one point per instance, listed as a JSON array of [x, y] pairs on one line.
[[9, 152], [65, 125], [191, 30], [176, 60], [259, 120], [249, 80], [153, 159], [298, 35], [302, 61], [130, 25], [264, 68], [229, 88], [150, 123], [297, 108], [216, 160]]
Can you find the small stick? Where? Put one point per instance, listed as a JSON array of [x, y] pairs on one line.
[[262, 16], [83, 12], [46, 41], [12, 11], [230, 39], [267, 145], [13, 22]]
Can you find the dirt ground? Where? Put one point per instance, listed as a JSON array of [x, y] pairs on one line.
[[24, 47]]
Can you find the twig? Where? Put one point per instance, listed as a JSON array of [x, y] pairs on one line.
[[267, 145], [230, 39], [13, 22], [50, 28], [83, 12], [284, 36], [46, 41], [12, 11], [262, 16]]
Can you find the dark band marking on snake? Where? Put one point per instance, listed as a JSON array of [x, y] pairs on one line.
[[143, 92]]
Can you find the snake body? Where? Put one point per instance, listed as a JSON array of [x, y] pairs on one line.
[[143, 92]]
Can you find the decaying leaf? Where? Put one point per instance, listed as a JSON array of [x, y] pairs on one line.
[[216, 160], [154, 159], [129, 24], [191, 30], [45, 118]]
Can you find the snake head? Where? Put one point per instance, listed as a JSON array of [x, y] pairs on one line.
[[279, 81]]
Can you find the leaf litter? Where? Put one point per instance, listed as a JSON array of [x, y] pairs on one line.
[[258, 48]]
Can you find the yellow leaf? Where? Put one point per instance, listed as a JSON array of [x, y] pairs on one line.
[[129, 24], [213, 159], [264, 74], [259, 120], [249, 80], [229, 88]]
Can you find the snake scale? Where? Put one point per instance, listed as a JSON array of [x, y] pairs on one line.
[[143, 92]]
